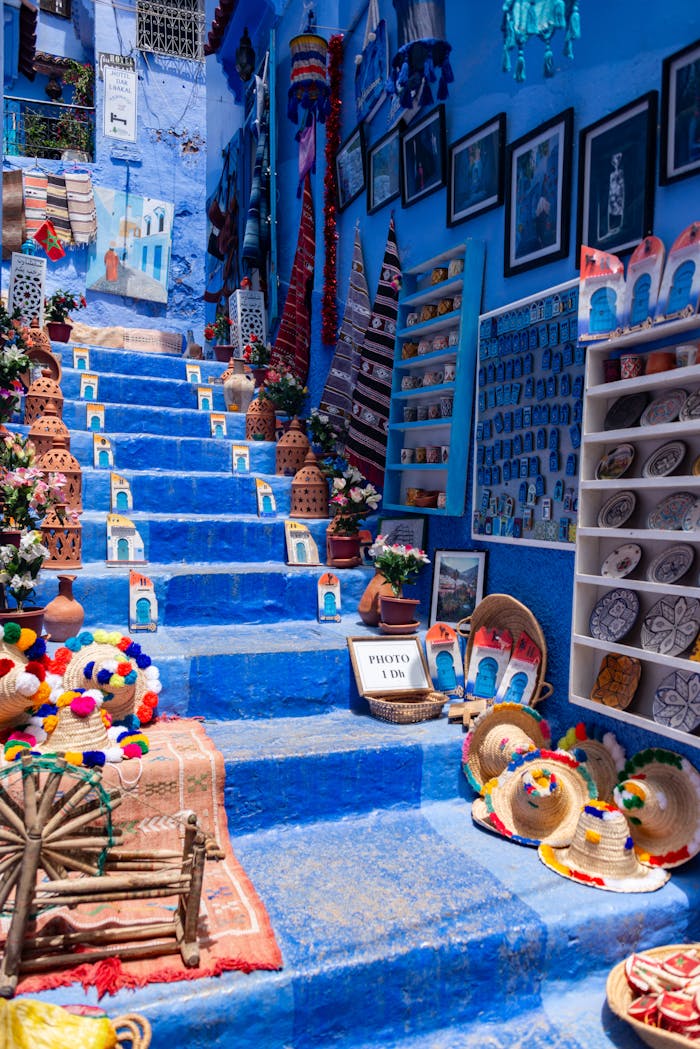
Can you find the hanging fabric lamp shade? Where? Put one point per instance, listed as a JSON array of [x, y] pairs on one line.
[[523, 19], [309, 83], [423, 55]]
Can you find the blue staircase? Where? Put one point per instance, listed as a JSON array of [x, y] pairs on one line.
[[400, 923]]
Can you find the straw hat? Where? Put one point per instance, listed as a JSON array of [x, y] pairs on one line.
[[601, 752], [659, 793], [536, 799], [497, 734], [77, 734], [602, 854], [99, 663]]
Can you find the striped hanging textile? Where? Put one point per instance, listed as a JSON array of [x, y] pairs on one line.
[[256, 240], [57, 208], [81, 206], [336, 399], [366, 443], [291, 348], [35, 186], [12, 212]]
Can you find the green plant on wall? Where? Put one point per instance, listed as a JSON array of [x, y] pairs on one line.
[[81, 75]]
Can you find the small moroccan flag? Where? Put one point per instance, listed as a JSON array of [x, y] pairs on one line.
[[46, 236]]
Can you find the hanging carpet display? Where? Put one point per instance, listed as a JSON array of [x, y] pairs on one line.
[[256, 239], [35, 186], [12, 212], [423, 55], [366, 443], [291, 348], [225, 219], [336, 399], [82, 213], [57, 208]]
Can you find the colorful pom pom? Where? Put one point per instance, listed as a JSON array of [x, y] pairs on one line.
[[50, 722], [82, 706], [73, 757], [11, 633], [36, 669], [94, 758], [26, 639], [6, 666], [37, 650]]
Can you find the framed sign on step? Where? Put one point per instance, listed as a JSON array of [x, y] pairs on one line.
[[386, 666]]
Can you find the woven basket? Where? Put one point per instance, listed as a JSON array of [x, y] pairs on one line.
[[148, 340], [504, 612], [620, 996], [423, 706]]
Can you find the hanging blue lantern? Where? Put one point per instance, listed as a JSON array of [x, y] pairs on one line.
[[309, 88], [423, 55], [523, 19]]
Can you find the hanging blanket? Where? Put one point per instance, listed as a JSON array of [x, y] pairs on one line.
[[81, 207], [57, 208], [35, 186], [256, 241], [336, 399], [291, 347], [366, 443], [12, 212]]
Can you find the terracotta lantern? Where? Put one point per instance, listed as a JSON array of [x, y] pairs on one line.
[[59, 460], [292, 449], [309, 490], [44, 431], [42, 392], [260, 420], [63, 539]]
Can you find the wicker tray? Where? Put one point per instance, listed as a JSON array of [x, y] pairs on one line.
[[421, 707], [620, 996]]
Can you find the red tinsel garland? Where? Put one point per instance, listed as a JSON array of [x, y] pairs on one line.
[[329, 310]]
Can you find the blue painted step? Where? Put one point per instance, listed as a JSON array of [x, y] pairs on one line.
[[137, 390], [167, 491], [188, 421], [146, 452], [138, 365]]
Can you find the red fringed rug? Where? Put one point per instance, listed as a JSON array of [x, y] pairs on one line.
[[183, 771]]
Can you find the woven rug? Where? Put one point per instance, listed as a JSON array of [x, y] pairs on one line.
[[35, 190], [57, 208], [81, 206], [183, 771], [12, 212], [291, 348]]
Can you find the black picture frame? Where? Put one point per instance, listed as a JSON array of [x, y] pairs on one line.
[[680, 115], [458, 585], [475, 171], [617, 171], [423, 167], [538, 195], [350, 168], [383, 171]]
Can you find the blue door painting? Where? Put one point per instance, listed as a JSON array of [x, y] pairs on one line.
[[485, 684], [329, 605], [301, 552], [123, 550], [447, 679], [267, 504], [516, 688], [679, 294], [89, 392], [640, 300], [206, 404], [602, 313], [241, 463], [95, 423], [103, 459], [143, 611], [122, 501], [218, 430]]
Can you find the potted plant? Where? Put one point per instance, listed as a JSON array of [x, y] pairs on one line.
[[323, 435], [353, 499], [218, 332], [257, 354], [285, 391], [14, 362], [19, 567], [398, 564], [56, 310]]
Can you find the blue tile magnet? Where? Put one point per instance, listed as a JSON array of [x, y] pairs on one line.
[[485, 497], [530, 388], [557, 363], [577, 388], [522, 493], [546, 509], [531, 495], [565, 415], [526, 417], [506, 471], [571, 465], [575, 435], [539, 485], [554, 462], [554, 439], [559, 491], [517, 527], [498, 422], [552, 386], [541, 439], [546, 360], [564, 530], [518, 444], [487, 429], [565, 385], [540, 389], [528, 442]]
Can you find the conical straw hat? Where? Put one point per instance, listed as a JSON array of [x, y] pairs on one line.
[[95, 663], [536, 799], [659, 793], [17, 686], [496, 735], [603, 755], [602, 854], [76, 733]]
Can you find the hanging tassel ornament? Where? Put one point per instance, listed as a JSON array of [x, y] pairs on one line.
[[329, 305], [309, 84], [524, 19]]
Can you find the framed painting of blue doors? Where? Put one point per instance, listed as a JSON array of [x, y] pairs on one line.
[[458, 585], [680, 115]]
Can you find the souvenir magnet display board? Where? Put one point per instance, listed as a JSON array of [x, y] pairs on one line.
[[528, 421]]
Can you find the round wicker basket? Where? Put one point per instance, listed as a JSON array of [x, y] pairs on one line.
[[133, 1031], [620, 996], [408, 711]]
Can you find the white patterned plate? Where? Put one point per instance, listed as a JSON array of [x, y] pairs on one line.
[[691, 521], [671, 564], [617, 509], [621, 561], [614, 615], [691, 407], [671, 625], [677, 701], [664, 409], [670, 512], [664, 460], [615, 463]]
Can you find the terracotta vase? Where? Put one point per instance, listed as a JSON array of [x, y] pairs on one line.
[[223, 352], [368, 607], [59, 331], [398, 614], [31, 618], [64, 616], [343, 550], [259, 376], [239, 386]]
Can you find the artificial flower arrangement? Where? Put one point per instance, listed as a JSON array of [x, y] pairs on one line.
[[285, 391], [60, 304], [257, 353], [322, 432], [352, 499], [19, 567], [397, 563], [218, 331], [14, 361]]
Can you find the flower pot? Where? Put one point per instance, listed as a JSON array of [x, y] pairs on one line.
[[259, 376], [223, 352], [368, 607], [59, 331], [29, 618], [64, 616], [343, 550], [398, 614]]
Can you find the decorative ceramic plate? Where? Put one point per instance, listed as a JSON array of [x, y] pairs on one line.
[[691, 407], [664, 409], [617, 680], [615, 463], [671, 564], [625, 411], [621, 561], [670, 512], [614, 615], [664, 460], [691, 521], [671, 625], [677, 701], [617, 509]]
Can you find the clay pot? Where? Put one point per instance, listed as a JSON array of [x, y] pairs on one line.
[[343, 550], [368, 607], [223, 352], [29, 618], [64, 616], [239, 387], [58, 331], [398, 611]]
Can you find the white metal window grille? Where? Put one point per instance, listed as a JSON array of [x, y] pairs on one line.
[[56, 7], [171, 27]]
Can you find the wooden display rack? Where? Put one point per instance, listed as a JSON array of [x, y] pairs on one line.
[[61, 827]]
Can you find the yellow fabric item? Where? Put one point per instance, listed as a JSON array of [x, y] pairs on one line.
[[30, 1024]]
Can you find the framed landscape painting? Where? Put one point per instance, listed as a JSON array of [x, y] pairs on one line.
[[350, 168], [475, 171], [383, 171], [458, 585], [423, 157], [680, 115]]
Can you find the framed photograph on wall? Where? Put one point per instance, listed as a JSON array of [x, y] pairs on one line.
[[423, 157], [410, 531], [475, 166], [458, 585], [680, 115], [538, 189], [617, 160], [350, 168], [383, 171]]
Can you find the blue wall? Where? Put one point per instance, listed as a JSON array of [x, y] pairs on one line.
[[617, 59]]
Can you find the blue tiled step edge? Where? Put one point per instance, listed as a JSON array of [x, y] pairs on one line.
[[132, 389], [143, 452], [136, 365], [209, 594], [184, 421]]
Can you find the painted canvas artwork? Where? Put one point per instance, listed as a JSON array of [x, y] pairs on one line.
[[131, 255]]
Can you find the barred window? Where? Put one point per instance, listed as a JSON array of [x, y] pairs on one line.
[[171, 27], [56, 7]]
